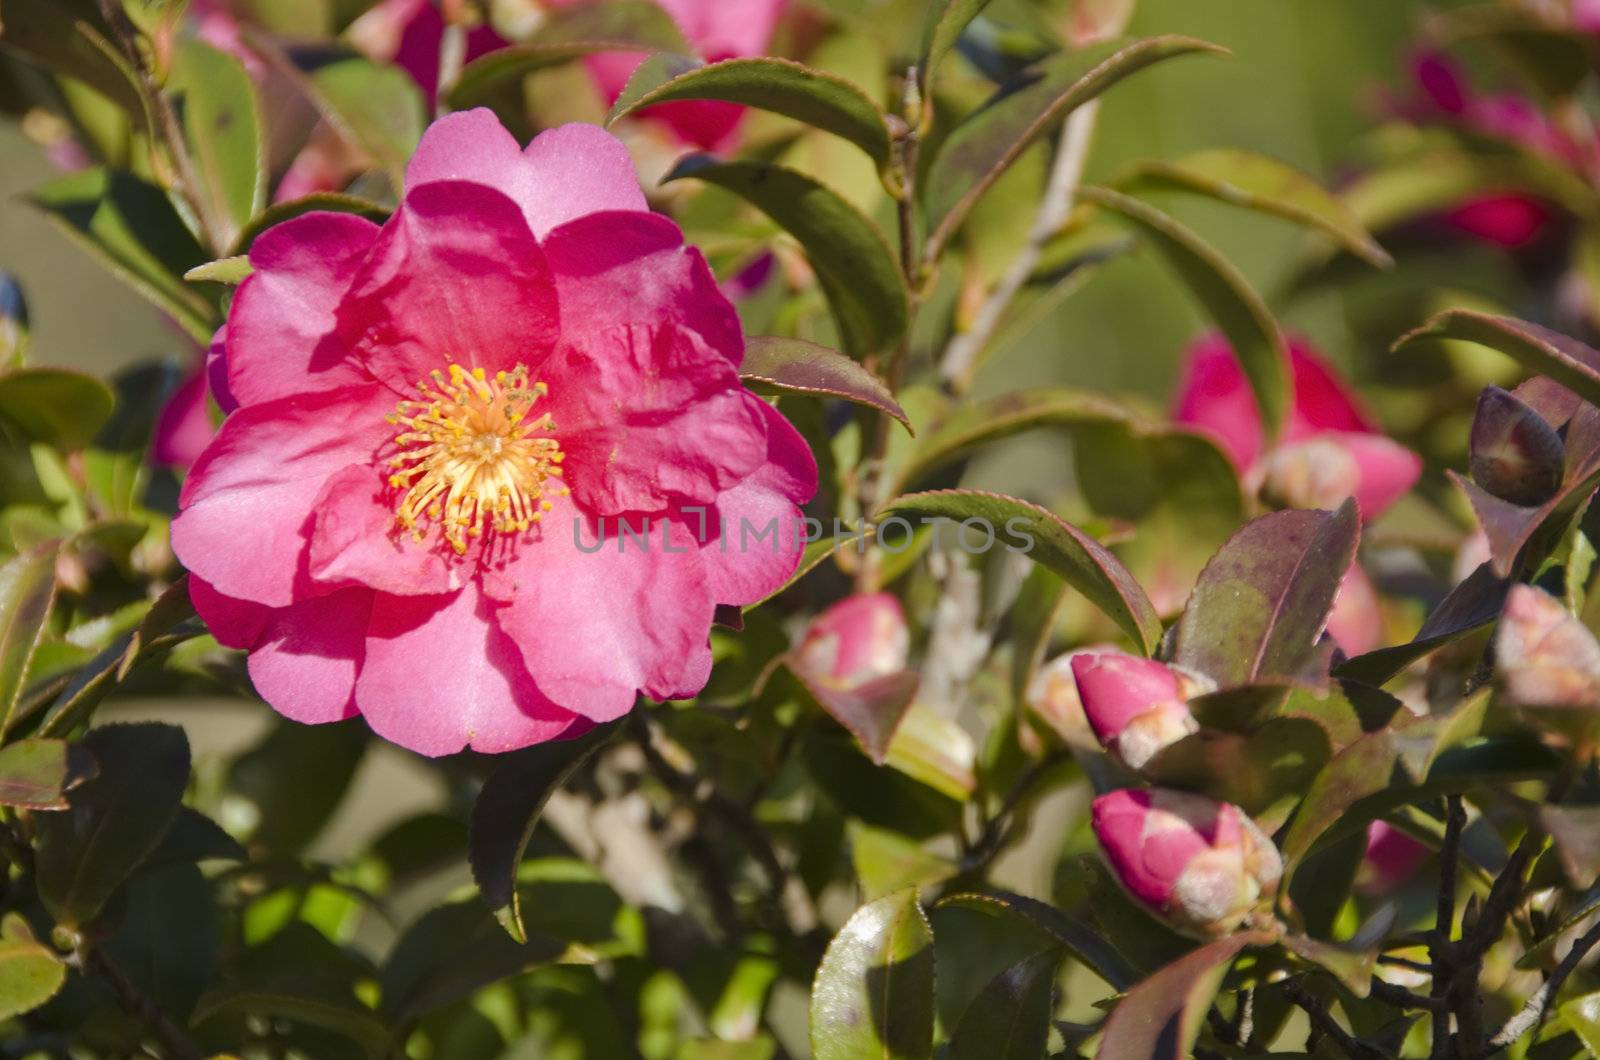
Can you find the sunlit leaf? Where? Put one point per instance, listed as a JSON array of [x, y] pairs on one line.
[[37, 774], [57, 406], [27, 589], [30, 975], [873, 994], [947, 19], [1569, 362], [796, 366], [54, 35], [1160, 1018], [224, 131], [1010, 1018]]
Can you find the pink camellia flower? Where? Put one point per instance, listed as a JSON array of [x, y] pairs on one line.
[[1202, 865], [492, 468], [856, 641], [718, 30], [1135, 706], [409, 33], [1392, 858], [183, 426], [1544, 656]]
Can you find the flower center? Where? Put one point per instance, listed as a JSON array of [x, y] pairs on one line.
[[472, 458]]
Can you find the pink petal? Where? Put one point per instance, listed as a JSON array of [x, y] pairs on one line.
[[183, 426], [1214, 398], [596, 628], [1356, 622], [1388, 471], [455, 277], [624, 268], [305, 663], [281, 335], [472, 146], [1115, 688], [1508, 221], [647, 416], [247, 503], [1322, 400], [354, 538], [716, 30], [235, 623], [579, 170], [439, 675], [217, 371]]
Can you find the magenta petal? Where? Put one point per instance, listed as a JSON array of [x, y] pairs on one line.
[[235, 623], [183, 426], [455, 277], [281, 334], [306, 661], [439, 676], [472, 146], [576, 170], [1322, 400], [1214, 398], [625, 268], [1388, 470], [716, 30], [248, 500], [354, 539], [217, 371]]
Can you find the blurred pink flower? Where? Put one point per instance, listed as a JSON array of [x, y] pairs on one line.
[[409, 34], [1391, 859], [1509, 220], [1356, 622], [413, 513], [1544, 656], [1135, 706], [855, 642], [183, 426], [1200, 864]]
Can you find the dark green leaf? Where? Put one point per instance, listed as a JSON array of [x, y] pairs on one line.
[[30, 975], [1538, 349], [1263, 772], [795, 366], [168, 938], [1010, 1019], [27, 589], [873, 994], [1262, 601], [37, 774], [1160, 1018], [280, 212], [130, 226], [1225, 295], [450, 952], [947, 19], [1470, 606], [1354, 773], [51, 34], [116, 819], [853, 262], [343, 1016], [872, 712], [194, 838], [508, 809], [822, 100], [1081, 561], [1257, 182], [224, 131], [291, 804], [57, 406], [1058, 928], [985, 145]]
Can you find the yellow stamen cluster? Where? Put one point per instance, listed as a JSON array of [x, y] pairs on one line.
[[472, 457]]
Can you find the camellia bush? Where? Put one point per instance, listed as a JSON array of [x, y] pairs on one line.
[[593, 433]]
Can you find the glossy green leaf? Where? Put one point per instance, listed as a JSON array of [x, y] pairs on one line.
[[227, 271], [1258, 182], [872, 712], [822, 100], [1160, 1018], [1056, 927], [27, 590], [375, 105], [30, 975], [280, 212], [116, 819], [224, 130], [947, 20], [1040, 534], [54, 35], [795, 366], [1263, 772], [450, 952], [1263, 600], [873, 994], [1223, 292], [289, 1001], [57, 406], [853, 262], [986, 143], [507, 812], [1354, 773], [37, 774], [1569, 362], [567, 34], [1010, 1018], [886, 861], [130, 226]]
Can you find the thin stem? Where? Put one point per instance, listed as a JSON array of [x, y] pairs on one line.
[[1322, 1020], [1441, 951], [992, 839], [137, 1004], [960, 358], [1532, 1013]]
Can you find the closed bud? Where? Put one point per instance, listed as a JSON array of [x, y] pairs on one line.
[[1515, 454], [1545, 657], [1135, 706], [1201, 865], [858, 640]]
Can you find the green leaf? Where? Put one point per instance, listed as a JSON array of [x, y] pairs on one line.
[[1225, 295], [1081, 561], [116, 819], [1160, 1018], [1258, 182], [1263, 772], [872, 711], [130, 226], [30, 975], [1582, 1016], [508, 809], [27, 590], [947, 20], [1470, 606], [886, 861], [1010, 1018], [280, 212], [229, 271], [873, 994], [822, 100], [853, 262], [375, 105], [51, 34], [567, 34], [449, 953], [37, 774], [343, 1016], [986, 143], [57, 406], [1263, 600], [1359, 770], [223, 127], [1055, 926], [291, 805], [795, 366], [1538, 349]]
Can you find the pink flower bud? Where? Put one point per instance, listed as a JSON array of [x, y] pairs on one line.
[[1135, 706], [1391, 859], [1202, 865], [1515, 454], [857, 640], [1545, 657]]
